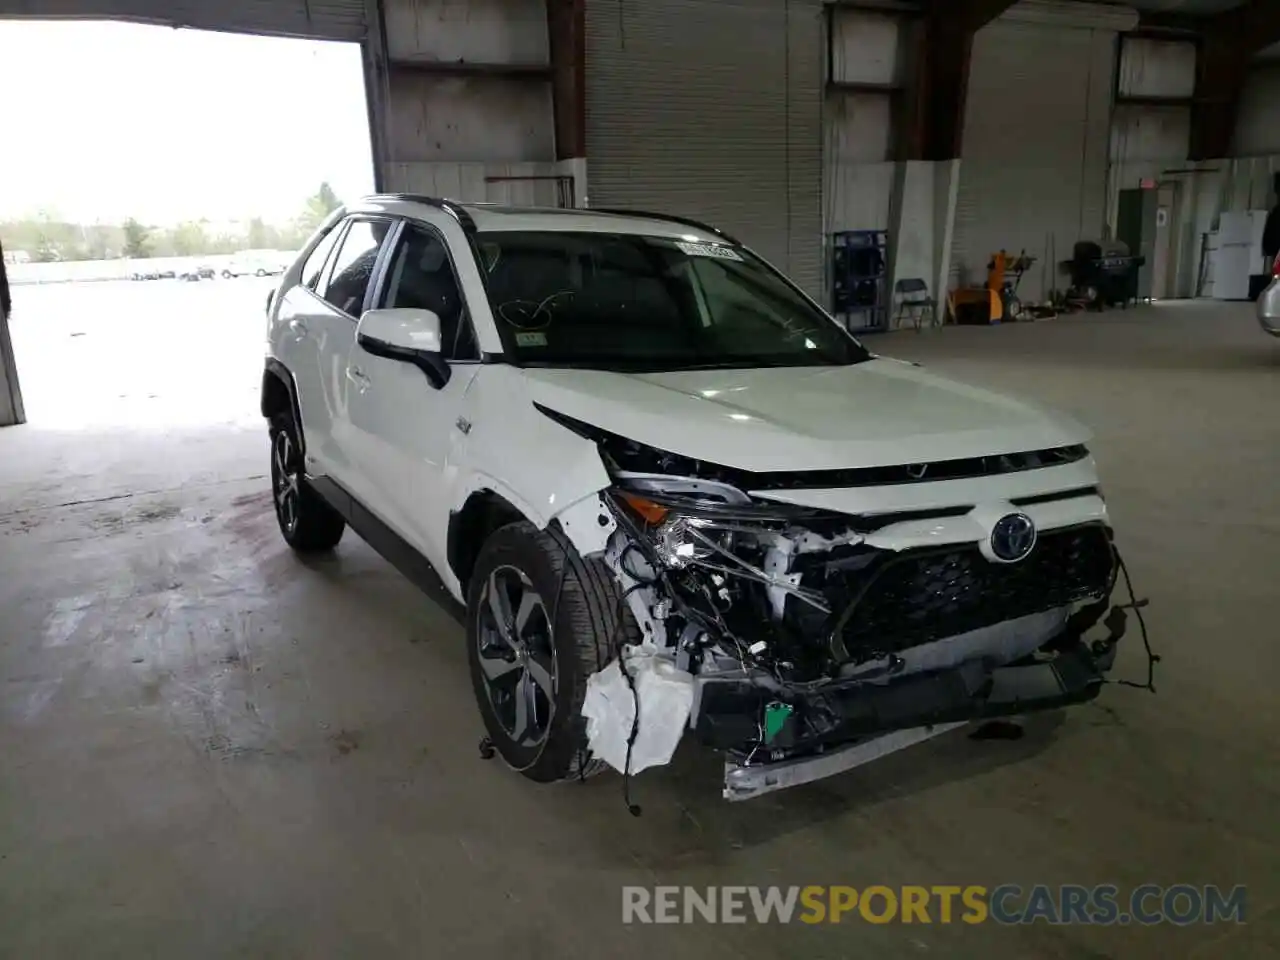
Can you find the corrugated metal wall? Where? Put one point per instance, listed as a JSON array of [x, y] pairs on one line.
[[712, 109], [1034, 170], [485, 132], [858, 124], [1148, 139], [474, 31], [320, 19], [1258, 126], [1157, 68], [859, 175]]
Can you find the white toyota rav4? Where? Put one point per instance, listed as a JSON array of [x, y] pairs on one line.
[[674, 496]]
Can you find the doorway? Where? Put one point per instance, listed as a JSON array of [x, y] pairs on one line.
[[152, 194]]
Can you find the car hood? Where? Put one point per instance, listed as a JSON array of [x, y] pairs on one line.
[[877, 413]]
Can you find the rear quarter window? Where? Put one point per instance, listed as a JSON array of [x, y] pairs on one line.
[[313, 267]]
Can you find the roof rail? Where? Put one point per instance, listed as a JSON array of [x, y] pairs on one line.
[[697, 225], [450, 207]]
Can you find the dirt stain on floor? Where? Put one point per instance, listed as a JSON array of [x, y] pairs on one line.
[[346, 741], [156, 514]]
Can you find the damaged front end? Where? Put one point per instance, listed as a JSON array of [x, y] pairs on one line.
[[802, 642]]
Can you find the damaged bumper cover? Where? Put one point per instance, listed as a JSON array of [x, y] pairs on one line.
[[869, 721]]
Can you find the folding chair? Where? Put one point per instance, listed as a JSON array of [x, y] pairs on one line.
[[914, 302]]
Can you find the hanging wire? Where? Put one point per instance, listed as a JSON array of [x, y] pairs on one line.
[[1136, 606]]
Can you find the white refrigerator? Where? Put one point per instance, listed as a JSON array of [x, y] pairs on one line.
[[1238, 253]]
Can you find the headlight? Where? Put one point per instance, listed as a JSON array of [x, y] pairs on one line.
[[743, 540], [679, 531], [681, 540]]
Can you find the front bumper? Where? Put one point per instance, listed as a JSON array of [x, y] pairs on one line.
[[864, 721]]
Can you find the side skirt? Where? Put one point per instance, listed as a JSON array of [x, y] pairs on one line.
[[393, 548]]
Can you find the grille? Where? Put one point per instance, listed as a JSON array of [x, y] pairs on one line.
[[920, 596]]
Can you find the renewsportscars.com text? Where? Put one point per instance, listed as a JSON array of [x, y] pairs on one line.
[[1101, 905]]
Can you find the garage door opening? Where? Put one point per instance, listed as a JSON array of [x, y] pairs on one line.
[[153, 183]]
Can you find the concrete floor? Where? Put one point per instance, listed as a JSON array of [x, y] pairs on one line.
[[211, 748]]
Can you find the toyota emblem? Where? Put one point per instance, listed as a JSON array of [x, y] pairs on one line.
[[1013, 537]]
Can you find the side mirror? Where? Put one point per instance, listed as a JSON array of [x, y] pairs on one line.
[[408, 335]]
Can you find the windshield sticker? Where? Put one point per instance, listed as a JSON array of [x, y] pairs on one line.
[[530, 338], [708, 250]]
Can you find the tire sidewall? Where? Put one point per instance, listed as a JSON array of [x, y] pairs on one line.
[[280, 424], [523, 547]]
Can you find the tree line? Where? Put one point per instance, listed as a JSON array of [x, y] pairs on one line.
[[46, 238]]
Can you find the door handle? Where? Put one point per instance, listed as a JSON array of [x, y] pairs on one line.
[[359, 378]]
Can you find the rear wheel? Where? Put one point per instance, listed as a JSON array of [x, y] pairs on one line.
[[540, 621], [307, 522]]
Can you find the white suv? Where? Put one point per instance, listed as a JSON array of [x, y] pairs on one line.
[[674, 496]]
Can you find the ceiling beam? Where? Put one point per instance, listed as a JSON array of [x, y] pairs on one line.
[[1250, 27], [1171, 24], [976, 14], [566, 32], [1228, 43], [942, 48]]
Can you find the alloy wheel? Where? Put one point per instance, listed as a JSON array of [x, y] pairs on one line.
[[517, 656], [285, 481]]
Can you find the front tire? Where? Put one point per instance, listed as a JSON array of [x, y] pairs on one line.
[[307, 523], [540, 621]]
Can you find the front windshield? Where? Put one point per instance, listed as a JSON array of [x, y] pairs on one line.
[[626, 302]]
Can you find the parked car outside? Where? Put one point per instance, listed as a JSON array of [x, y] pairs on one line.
[[253, 266]]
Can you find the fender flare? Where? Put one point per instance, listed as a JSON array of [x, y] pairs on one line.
[[274, 368]]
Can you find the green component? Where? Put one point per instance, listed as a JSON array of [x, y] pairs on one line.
[[775, 718]]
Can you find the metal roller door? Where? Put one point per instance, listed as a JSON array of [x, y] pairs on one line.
[[319, 19], [1034, 170], [712, 109]]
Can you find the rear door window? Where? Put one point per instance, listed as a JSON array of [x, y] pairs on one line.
[[314, 265], [353, 264]]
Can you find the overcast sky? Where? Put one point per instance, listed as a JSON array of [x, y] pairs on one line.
[[102, 121]]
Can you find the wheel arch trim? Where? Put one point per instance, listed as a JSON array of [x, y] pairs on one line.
[[277, 370]]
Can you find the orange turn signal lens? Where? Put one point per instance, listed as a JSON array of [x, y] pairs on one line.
[[646, 509]]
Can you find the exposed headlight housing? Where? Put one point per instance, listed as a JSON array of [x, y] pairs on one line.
[[681, 540]]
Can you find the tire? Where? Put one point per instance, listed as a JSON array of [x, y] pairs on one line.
[[586, 634], [260, 272], [227, 274], [307, 523]]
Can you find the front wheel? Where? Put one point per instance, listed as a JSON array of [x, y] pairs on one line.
[[540, 621], [307, 523]]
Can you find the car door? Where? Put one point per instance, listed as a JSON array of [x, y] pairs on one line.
[[293, 344], [339, 300], [403, 430]]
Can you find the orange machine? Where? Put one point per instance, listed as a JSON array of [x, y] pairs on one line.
[[998, 299]]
